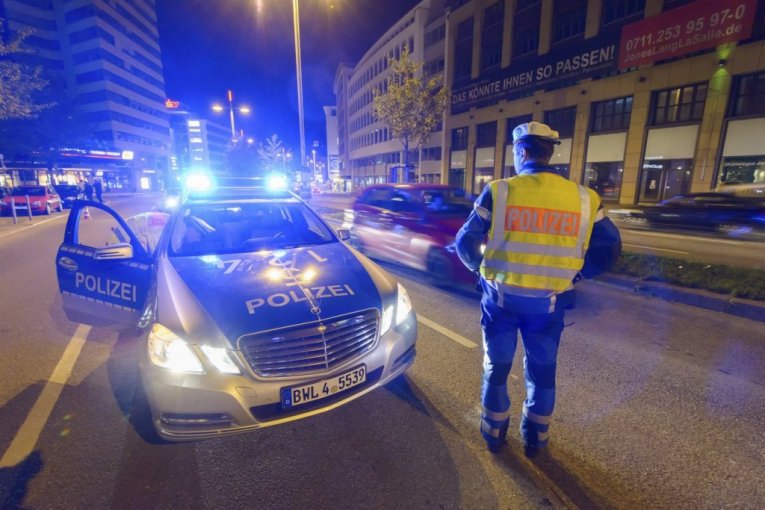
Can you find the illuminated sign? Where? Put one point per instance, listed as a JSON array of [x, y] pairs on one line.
[[172, 105], [128, 155], [193, 123]]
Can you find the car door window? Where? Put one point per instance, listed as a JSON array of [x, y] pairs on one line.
[[377, 197], [402, 202], [97, 228]]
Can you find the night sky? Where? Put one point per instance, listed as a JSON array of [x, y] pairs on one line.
[[209, 46]]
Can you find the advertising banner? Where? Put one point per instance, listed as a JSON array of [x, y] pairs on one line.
[[574, 61], [692, 27]]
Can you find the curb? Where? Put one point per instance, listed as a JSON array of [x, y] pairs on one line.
[[746, 308]]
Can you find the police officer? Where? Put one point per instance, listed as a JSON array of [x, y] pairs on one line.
[[542, 233]]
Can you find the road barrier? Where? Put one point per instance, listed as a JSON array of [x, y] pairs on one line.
[[13, 209]]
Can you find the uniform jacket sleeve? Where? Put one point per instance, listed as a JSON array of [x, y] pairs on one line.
[[605, 247], [473, 233]]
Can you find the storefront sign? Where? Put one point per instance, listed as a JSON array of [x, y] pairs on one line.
[[692, 27], [171, 104], [578, 61]]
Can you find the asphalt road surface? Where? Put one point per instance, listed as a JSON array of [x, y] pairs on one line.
[[660, 405]]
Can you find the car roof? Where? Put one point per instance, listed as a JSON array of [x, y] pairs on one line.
[[412, 186]]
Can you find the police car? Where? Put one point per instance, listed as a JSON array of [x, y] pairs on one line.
[[253, 311]]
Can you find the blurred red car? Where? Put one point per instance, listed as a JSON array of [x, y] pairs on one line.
[[42, 199], [412, 224]]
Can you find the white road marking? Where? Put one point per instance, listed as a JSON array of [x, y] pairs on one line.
[[686, 237], [27, 436], [656, 249], [29, 225], [447, 332]]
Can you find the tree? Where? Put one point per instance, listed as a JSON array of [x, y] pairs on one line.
[[19, 83], [411, 107], [272, 153], [242, 159]]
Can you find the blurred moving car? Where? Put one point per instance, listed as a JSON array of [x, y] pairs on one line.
[[723, 212], [69, 193], [42, 199], [412, 224], [253, 312]]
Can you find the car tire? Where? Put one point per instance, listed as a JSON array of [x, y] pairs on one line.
[[60, 207], [439, 268], [47, 210]]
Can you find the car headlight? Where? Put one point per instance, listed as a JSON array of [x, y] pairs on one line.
[[168, 350], [400, 312], [172, 202], [387, 320], [221, 359], [403, 305]]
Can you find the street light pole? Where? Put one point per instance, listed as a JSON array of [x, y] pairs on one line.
[[298, 65], [231, 113]]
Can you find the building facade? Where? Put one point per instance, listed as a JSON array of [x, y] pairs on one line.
[[368, 154], [651, 97], [104, 55], [333, 160]]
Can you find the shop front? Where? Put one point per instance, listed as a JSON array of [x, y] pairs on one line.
[[668, 162], [604, 164], [743, 155]]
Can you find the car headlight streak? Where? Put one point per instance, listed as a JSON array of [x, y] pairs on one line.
[[400, 312]]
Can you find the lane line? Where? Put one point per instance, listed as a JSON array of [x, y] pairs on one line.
[[27, 436], [446, 332], [30, 225], [684, 237], [656, 249]]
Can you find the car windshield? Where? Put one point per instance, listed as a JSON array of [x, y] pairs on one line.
[[32, 192], [446, 201], [237, 227]]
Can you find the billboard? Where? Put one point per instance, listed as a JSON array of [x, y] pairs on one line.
[[696, 26]]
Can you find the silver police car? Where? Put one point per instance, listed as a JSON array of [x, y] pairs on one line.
[[254, 312]]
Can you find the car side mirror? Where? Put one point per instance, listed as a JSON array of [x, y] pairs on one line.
[[344, 234], [119, 251]]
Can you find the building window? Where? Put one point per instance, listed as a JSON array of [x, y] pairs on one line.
[[570, 19], [671, 4], [611, 115], [681, 104], [435, 35], [562, 121], [459, 138], [614, 10], [748, 95], [463, 50], [486, 134], [526, 21], [491, 38]]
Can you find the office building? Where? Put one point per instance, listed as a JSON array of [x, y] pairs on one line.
[[107, 56]]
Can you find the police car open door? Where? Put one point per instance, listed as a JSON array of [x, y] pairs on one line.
[[104, 271]]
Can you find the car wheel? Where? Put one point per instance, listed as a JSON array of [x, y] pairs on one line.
[[60, 207], [47, 209], [439, 268]]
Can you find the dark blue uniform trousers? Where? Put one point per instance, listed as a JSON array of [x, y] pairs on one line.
[[540, 334]]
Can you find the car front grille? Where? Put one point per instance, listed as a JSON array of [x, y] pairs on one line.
[[310, 348]]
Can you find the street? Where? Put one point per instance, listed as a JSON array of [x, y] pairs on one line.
[[660, 405]]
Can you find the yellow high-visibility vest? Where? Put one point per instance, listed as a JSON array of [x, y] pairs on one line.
[[540, 230]]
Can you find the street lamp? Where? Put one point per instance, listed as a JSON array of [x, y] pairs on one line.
[[299, 68], [241, 109]]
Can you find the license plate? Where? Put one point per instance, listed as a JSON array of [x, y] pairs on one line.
[[299, 395]]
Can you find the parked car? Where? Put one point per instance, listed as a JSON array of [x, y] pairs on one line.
[[42, 199], [69, 193], [724, 212], [252, 311], [412, 224]]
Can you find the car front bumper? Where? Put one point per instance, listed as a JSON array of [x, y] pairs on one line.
[[188, 407]]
